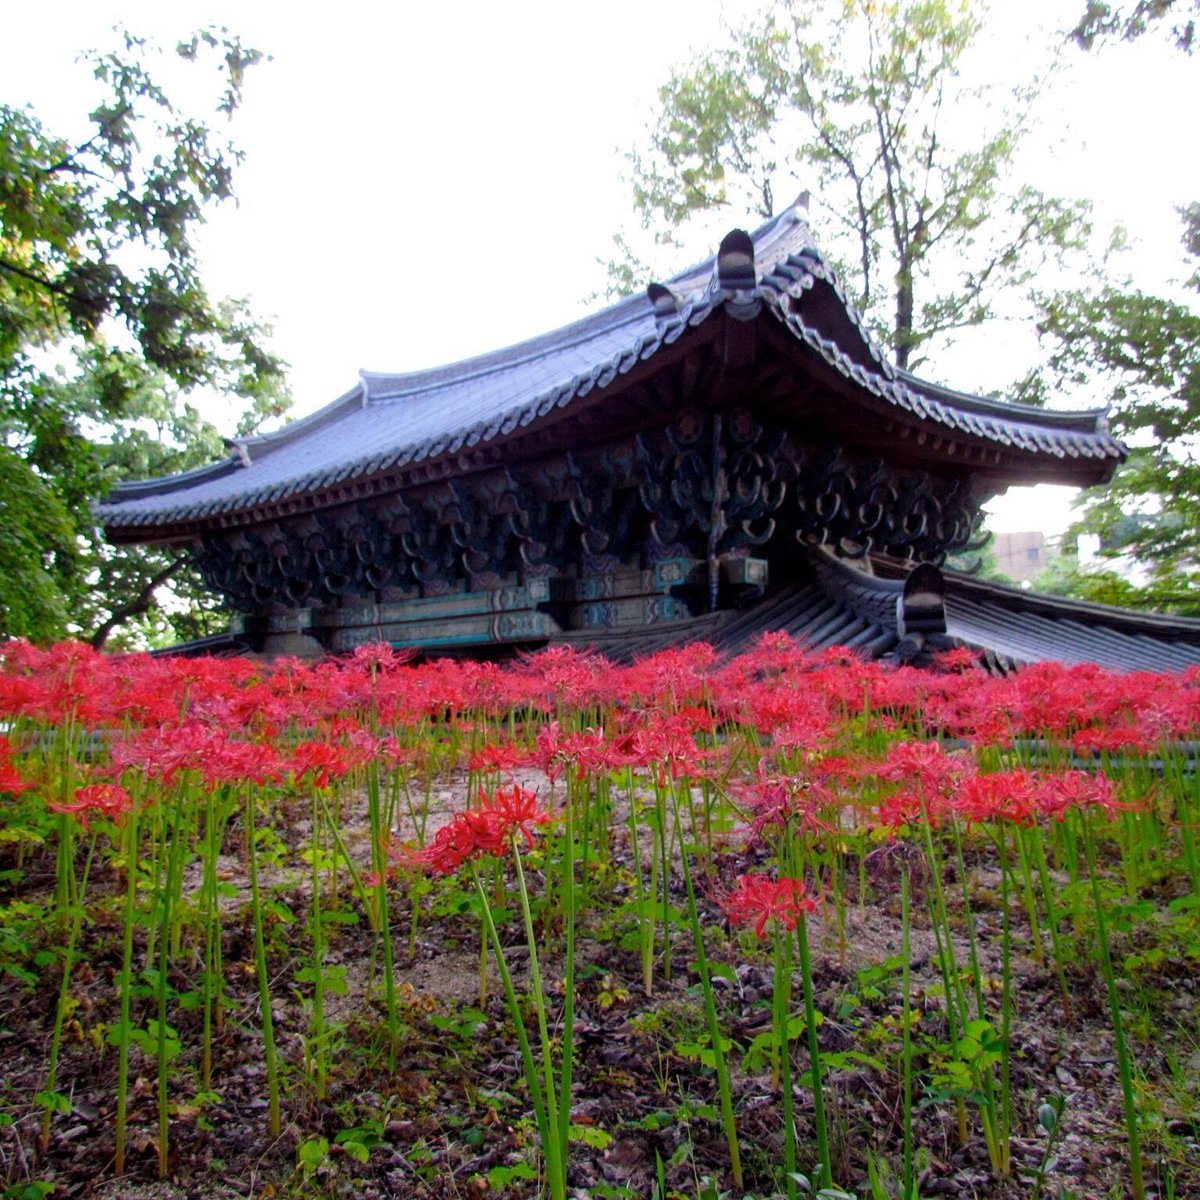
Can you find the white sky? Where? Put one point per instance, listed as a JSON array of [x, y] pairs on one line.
[[428, 181]]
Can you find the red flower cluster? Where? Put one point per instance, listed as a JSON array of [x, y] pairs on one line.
[[319, 762], [775, 801], [757, 900], [105, 800], [11, 780], [484, 832]]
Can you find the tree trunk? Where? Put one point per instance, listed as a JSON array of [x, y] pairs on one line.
[[902, 333]]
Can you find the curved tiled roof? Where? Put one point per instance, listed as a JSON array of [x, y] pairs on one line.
[[388, 421]]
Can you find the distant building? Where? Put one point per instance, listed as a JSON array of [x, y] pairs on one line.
[[1020, 556]]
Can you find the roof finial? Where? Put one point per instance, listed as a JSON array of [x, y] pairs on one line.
[[735, 262], [665, 302]]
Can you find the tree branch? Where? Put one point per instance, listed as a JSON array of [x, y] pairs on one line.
[[50, 285], [139, 604]]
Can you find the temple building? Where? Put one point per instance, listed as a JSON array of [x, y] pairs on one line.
[[727, 453]]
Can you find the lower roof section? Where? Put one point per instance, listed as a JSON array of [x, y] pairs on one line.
[[846, 605]]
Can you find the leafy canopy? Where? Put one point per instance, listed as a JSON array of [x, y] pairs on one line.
[[106, 328], [1101, 21], [1141, 351], [855, 100]]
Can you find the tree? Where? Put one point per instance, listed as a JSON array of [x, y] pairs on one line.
[[853, 103], [1064, 575], [106, 329], [1142, 351]]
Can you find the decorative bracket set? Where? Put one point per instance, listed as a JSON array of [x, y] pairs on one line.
[[711, 499]]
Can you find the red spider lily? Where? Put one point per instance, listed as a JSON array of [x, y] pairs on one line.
[[56, 685], [774, 653], [775, 801], [494, 758], [1066, 790], [905, 806], [105, 800], [674, 677], [957, 660], [380, 656], [484, 832], [568, 677], [588, 751], [516, 810], [665, 745], [11, 780], [1130, 738], [476, 833], [163, 754], [998, 796], [393, 753], [319, 762], [925, 765], [928, 776], [548, 752], [757, 900]]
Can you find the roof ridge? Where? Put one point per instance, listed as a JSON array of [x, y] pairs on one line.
[[701, 276]]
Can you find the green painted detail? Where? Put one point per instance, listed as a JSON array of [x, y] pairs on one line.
[[753, 572], [461, 631]]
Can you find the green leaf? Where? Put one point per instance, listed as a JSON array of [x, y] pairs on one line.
[[590, 1135], [500, 1177], [339, 916], [312, 1154], [55, 1102]]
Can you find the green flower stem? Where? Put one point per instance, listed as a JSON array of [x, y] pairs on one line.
[[316, 933], [781, 1009], [382, 917], [710, 1012], [64, 994], [360, 887], [557, 1163], [1052, 918], [216, 816], [1004, 1130], [956, 1015], [906, 987], [545, 1117], [1027, 895], [824, 1170], [126, 988], [645, 917], [663, 860], [983, 1075], [1183, 789], [1123, 1064], [568, 1019], [173, 851], [264, 981]]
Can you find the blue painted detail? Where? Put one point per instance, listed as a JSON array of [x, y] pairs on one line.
[[600, 616]]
